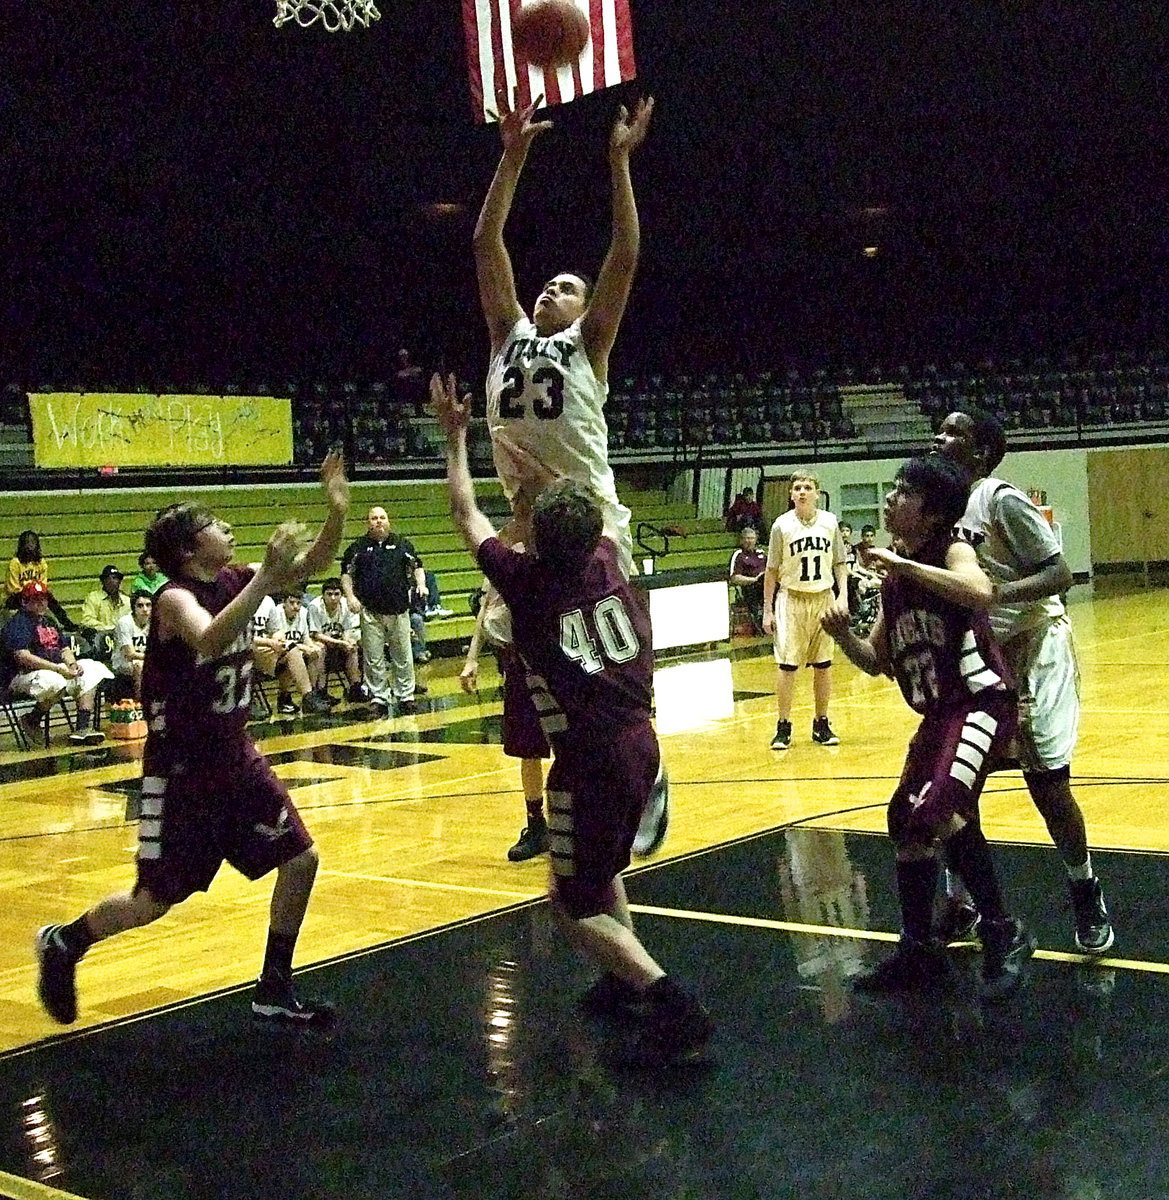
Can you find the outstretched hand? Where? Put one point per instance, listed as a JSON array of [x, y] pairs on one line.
[[281, 564], [629, 131], [516, 127], [453, 414], [334, 481], [835, 622], [879, 561]]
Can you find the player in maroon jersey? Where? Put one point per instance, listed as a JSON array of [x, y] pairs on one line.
[[207, 793], [583, 634], [933, 637]]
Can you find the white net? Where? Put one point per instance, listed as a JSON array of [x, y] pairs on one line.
[[335, 16]]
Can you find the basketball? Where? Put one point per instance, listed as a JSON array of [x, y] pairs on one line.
[[549, 33]]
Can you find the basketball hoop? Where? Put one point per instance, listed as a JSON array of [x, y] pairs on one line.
[[334, 15]]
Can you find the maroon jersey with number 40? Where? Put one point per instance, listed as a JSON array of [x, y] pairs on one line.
[[192, 702], [585, 640], [941, 653]]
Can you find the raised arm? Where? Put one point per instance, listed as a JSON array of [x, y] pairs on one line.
[[453, 415], [180, 614], [497, 293], [336, 488], [611, 292]]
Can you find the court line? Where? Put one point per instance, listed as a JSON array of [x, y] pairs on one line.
[[427, 885], [877, 935], [15, 1187]]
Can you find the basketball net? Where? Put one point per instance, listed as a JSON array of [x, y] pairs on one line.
[[334, 15]]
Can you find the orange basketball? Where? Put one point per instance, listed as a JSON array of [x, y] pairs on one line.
[[549, 33]]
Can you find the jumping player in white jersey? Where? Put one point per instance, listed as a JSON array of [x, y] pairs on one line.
[[1019, 551], [549, 375], [548, 378], [806, 559]]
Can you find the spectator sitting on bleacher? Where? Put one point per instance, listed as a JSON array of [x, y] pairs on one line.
[[26, 565], [432, 601], [103, 608], [746, 572], [744, 512], [149, 578], [130, 641], [299, 659], [38, 664], [337, 629]]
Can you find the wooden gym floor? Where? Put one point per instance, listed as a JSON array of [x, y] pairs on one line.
[[460, 1067]]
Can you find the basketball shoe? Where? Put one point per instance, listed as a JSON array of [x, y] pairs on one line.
[[56, 975], [1006, 946], [783, 735], [1094, 933]]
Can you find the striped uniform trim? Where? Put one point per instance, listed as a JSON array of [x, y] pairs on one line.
[[561, 834], [150, 817], [552, 716], [976, 672], [975, 740]]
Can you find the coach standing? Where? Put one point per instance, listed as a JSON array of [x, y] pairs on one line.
[[378, 571]]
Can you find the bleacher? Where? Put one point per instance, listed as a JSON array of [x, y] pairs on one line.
[[83, 531]]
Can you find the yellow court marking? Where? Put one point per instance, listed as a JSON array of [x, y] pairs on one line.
[[877, 935], [13, 1187], [429, 885]]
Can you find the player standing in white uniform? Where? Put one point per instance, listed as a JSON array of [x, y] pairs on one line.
[[549, 375], [806, 560], [1019, 551]]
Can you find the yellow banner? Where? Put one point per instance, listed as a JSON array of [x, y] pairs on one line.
[[99, 429]]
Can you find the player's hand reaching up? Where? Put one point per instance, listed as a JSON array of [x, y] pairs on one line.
[[281, 565], [453, 414], [629, 131], [516, 127], [334, 481]]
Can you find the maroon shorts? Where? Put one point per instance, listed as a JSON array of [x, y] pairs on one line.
[[949, 758], [522, 735], [595, 798], [195, 816]]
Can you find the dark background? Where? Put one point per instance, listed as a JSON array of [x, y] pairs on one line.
[[193, 195]]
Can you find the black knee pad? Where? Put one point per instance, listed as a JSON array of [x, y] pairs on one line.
[[820, 666], [787, 667]]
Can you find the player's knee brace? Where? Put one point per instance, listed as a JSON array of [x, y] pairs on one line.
[[787, 667], [820, 666]]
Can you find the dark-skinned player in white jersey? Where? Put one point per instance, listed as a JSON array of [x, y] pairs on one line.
[[548, 377], [932, 636], [582, 633], [1017, 548], [208, 795]]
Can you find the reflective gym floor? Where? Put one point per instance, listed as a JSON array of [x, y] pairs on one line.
[[461, 1066]]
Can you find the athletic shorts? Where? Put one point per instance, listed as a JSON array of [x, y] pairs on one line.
[[522, 735], [193, 819], [947, 764], [1043, 663], [799, 638], [595, 798]]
